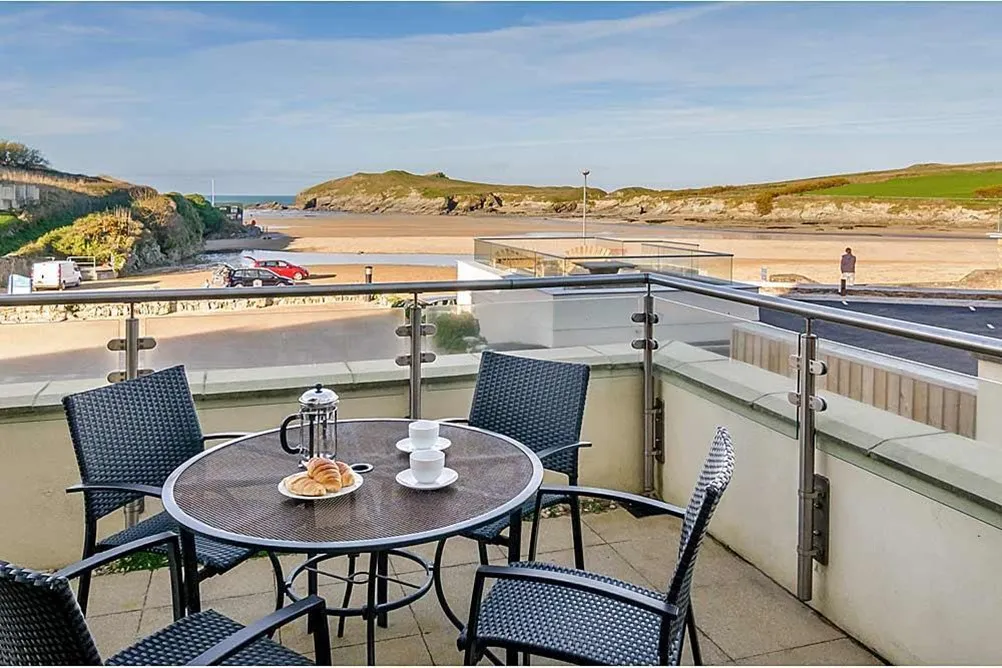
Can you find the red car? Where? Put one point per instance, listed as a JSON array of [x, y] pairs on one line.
[[282, 268]]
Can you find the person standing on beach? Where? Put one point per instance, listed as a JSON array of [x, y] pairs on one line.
[[848, 269]]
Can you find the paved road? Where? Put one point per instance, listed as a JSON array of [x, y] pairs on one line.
[[959, 317]]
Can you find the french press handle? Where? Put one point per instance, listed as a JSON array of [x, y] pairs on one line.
[[283, 434]]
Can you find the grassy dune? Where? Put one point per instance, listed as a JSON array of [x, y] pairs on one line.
[[946, 185]]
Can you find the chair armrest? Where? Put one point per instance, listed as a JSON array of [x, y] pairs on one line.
[[549, 452], [227, 648], [653, 506], [615, 592], [223, 435], [456, 420], [148, 490], [169, 539]]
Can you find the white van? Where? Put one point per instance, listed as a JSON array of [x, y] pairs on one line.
[[55, 274]]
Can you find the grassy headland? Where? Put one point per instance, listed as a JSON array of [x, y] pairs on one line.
[[956, 195], [125, 225]]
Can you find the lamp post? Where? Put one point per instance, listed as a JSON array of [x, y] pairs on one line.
[[584, 209]]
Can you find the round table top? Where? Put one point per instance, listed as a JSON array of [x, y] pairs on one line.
[[230, 492]]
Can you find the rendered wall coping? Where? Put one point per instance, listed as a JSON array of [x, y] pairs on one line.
[[959, 472]]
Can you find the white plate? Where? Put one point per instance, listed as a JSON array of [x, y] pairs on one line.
[[446, 478], [405, 445], [344, 490]]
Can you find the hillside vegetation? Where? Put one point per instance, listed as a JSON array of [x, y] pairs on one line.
[[956, 195], [127, 226]]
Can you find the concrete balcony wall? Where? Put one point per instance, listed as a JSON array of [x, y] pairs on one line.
[[916, 512], [43, 526]]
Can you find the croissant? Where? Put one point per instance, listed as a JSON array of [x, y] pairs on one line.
[[304, 485], [326, 473], [347, 475]]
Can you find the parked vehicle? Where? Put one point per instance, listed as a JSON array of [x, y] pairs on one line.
[[249, 277], [282, 268], [55, 274]]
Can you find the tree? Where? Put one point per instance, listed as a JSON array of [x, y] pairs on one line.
[[16, 154]]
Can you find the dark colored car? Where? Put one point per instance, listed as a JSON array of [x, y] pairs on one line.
[[282, 268], [252, 277]]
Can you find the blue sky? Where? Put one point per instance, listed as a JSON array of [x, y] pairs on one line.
[[270, 98]]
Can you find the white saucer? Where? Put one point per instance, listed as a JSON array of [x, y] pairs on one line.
[[404, 444], [446, 478], [344, 490]]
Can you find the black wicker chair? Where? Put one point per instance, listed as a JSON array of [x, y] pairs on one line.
[[129, 437], [539, 403], [41, 623], [580, 617]]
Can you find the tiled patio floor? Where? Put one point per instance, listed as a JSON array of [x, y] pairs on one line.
[[742, 615]]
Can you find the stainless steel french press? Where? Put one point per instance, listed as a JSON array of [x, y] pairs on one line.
[[317, 418]]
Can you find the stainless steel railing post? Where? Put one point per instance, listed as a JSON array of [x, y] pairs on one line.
[[811, 540], [648, 345], [134, 509], [415, 361]]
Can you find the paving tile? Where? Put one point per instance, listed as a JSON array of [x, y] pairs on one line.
[[710, 651], [755, 616], [442, 647], [655, 558], [409, 651], [401, 622], [842, 652], [244, 609], [458, 550], [118, 592], [254, 576], [457, 583], [601, 559], [113, 633], [154, 619], [619, 525], [555, 534]]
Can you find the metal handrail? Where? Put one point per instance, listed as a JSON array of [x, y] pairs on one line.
[[972, 343]]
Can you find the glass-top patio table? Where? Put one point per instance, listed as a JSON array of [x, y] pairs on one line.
[[230, 493]]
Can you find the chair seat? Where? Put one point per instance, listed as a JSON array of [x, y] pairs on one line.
[[215, 555], [585, 628], [188, 637], [490, 531]]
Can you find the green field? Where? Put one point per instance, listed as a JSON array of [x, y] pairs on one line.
[[959, 184]]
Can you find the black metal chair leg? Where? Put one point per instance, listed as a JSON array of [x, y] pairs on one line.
[[347, 593], [311, 588], [276, 566], [83, 586], [690, 623], [515, 536], [383, 566], [576, 533], [482, 551], [190, 571]]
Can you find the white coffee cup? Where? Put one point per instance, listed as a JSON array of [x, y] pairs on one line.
[[427, 465], [423, 433]]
